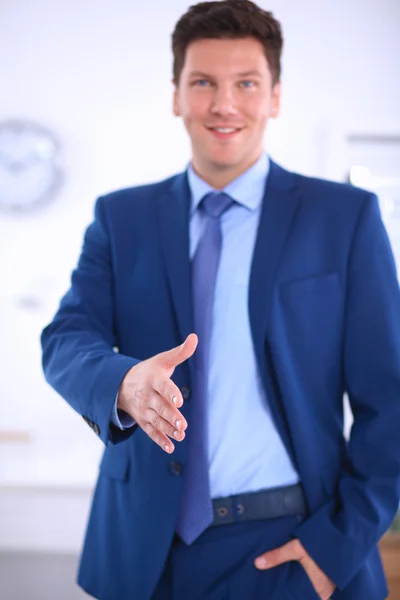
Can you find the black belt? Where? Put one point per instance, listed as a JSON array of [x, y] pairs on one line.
[[254, 506]]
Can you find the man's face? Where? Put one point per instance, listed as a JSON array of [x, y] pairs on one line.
[[225, 97]]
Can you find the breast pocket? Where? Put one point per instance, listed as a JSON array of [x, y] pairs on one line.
[[312, 295], [310, 311], [316, 283]]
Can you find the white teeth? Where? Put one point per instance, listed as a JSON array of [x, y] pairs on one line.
[[224, 130]]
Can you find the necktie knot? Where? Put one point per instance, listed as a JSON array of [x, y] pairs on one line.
[[215, 204]]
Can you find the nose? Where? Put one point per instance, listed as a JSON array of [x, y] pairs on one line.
[[223, 102]]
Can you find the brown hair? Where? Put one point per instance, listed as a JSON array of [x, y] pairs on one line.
[[228, 19]]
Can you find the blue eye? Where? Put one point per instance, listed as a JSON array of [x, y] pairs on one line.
[[201, 82], [247, 83]]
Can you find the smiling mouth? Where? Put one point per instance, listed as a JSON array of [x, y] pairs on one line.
[[224, 132], [225, 129]]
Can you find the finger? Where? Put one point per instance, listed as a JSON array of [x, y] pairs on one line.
[[176, 356], [278, 556], [167, 412], [159, 438], [168, 390], [321, 582], [163, 426]]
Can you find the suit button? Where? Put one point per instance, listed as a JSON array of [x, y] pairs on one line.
[[175, 468], [185, 391], [96, 429]]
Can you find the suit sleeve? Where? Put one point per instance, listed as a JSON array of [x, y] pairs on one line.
[[343, 532], [78, 358]]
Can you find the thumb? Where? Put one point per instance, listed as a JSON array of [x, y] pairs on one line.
[[176, 356], [289, 551]]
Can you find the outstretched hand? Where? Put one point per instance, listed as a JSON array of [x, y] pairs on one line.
[[152, 399]]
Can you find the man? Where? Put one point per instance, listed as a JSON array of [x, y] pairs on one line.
[[213, 324]]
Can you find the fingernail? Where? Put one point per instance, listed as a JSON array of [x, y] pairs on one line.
[[174, 399], [178, 424], [261, 563], [167, 448], [176, 434]]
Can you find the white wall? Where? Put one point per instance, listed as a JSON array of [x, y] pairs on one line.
[[98, 74]]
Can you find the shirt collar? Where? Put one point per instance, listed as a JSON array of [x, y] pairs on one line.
[[247, 189]]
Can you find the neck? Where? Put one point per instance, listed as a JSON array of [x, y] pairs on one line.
[[219, 177]]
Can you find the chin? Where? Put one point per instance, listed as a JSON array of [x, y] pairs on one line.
[[225, 162]]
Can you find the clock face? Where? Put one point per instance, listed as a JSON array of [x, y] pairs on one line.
[[29, 165]]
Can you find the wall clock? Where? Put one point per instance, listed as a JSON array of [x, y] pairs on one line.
[[30, 172]]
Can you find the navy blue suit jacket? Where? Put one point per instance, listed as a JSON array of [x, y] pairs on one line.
[[324, 308]]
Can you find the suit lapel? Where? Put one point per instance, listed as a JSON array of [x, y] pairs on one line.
[[173, 212], [279, 208]]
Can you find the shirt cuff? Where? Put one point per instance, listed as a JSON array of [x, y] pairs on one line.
[[120, 418]]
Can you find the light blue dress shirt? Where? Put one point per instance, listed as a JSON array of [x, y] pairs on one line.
[[245, 450]]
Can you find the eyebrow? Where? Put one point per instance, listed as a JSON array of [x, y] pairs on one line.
[[251, 73]]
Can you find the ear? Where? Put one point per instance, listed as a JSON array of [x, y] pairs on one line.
[[276, 100], [176, 108]]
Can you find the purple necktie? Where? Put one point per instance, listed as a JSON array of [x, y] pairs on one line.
[[196, 508]]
